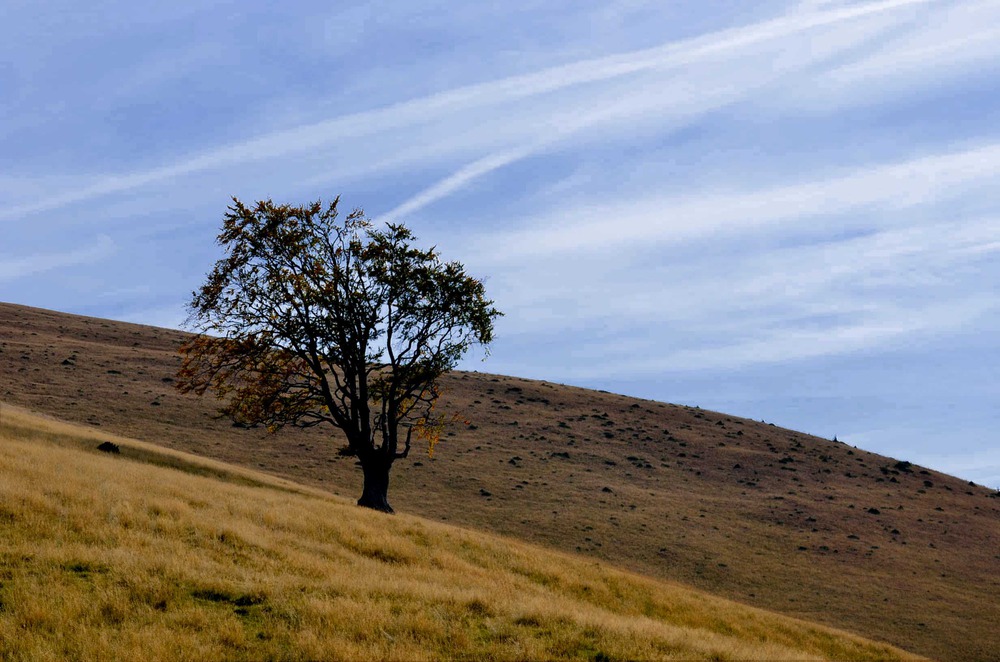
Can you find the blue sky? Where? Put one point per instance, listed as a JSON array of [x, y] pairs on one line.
[[788, 211]]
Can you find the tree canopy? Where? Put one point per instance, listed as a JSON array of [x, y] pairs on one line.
[[308, 319]]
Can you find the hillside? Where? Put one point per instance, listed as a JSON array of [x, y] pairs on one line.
[[109, 557], [769, 517]]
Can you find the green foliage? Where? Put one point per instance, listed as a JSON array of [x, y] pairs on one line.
[[309, 319]]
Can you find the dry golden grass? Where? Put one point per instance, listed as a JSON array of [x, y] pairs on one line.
[[107, 557]]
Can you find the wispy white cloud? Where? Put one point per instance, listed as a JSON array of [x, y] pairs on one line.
[[886, 324], [736, 299], [675, 91], [458, 180], [961, 41], [715, 284], [128, 291], [963, 34], [16, 268], [500, 95], [812, 205], [167, 317]]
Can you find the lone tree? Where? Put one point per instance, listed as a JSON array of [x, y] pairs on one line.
[[309, 320]]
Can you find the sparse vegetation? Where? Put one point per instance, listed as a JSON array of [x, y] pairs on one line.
[[104, 557]]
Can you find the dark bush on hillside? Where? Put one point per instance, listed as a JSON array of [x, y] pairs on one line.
[[108, 447]]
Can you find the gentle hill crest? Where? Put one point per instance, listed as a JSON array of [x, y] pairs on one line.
[[109, 557], [767, 516]]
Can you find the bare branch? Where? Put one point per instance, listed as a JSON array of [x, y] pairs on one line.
[[406, 446]]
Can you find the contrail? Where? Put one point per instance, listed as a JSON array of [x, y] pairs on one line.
[[307, 137]]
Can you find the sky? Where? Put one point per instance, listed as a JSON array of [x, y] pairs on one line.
[[783, 210]]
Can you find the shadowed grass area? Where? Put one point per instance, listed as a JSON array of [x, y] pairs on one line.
[[104, 556]]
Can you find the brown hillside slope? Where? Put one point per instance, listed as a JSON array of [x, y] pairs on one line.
[[767, 516]]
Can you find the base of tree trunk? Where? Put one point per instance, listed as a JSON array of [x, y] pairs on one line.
[[381, 505], [375, 492]]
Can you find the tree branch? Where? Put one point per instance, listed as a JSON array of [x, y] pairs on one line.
[[406, 446]]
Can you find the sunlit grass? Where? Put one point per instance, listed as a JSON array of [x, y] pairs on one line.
[[107, 557]]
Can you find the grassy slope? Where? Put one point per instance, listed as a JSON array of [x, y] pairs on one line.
[[763, 515], [104, 556]]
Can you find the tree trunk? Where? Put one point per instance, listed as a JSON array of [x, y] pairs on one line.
[[376, 489]]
